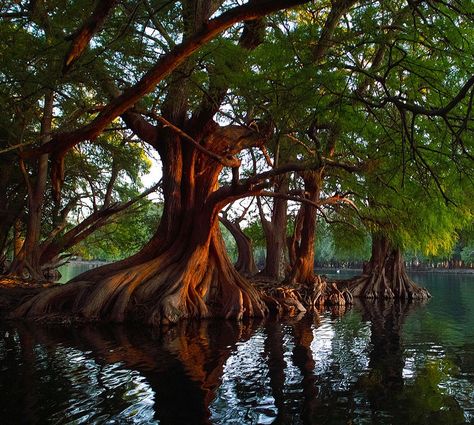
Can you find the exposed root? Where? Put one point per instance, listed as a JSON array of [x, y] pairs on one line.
[[193, 284], [293, 299], [378, 285], [385, 276]]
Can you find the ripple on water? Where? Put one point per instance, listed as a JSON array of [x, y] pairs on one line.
[[368, 366]]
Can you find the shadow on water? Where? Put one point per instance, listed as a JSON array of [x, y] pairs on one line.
[[317, 369]]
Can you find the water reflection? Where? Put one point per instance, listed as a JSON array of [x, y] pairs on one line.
[[99, 374], [371, 365]]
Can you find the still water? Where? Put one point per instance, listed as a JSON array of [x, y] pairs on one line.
[[377, 364]]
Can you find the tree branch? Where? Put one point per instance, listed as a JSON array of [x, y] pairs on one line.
[[64, 141], [80, 40]]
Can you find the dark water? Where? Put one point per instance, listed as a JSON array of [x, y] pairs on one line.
[[377, 364]]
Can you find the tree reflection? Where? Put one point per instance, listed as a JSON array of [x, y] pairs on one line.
[[321, 368], [275, 352], [304, 361], [177, 372], [424, 400]]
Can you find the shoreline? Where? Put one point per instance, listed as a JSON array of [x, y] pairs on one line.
[[333, 270]]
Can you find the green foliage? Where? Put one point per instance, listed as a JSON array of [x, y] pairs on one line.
[[230, 244], [255, 232], [415, 185], [338, 242], [124, 236]]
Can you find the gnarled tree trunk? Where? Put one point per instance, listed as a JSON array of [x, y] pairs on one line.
[[184, 271], [385, 275], [313, 289], [302, 242], [27, 262]]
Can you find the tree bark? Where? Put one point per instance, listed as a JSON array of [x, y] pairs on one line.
[[275, 234], [385, 275], [184, 271], [302, 246], [245, 264], [27, 262]]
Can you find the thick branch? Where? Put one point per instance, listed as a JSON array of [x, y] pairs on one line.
[[229, 161], [96, 220], [90, 27], [64, 141]]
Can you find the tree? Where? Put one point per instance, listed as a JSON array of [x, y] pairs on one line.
[[245, 263], [179, 106], [183, 271], [39, 96]]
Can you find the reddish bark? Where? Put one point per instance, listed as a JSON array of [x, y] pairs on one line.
[[275, 234], [91, 26], [183, 272], [302, 242], [64, 141]]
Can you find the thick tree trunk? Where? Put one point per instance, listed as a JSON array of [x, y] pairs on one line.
[[314, 290], [385, 275], [245, 264], [184, 271]]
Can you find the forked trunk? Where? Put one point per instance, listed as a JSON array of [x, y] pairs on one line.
[[314, 290], [385, 275], [184, 271]]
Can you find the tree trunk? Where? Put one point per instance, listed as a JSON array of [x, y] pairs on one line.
[[184, 271], [27, 262], [385, 275], [245, 264], [275, 235], [302, 268]]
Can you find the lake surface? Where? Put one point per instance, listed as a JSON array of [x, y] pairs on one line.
[[377, 364]]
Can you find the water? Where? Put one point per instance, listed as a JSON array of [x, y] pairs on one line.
[[377, 364], [72, 269]]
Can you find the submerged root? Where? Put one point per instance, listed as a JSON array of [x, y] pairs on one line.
[[293, 299], [379, 286], [157, 292]]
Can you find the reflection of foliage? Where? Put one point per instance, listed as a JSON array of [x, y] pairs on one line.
[[435, 327], [427, 401]]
